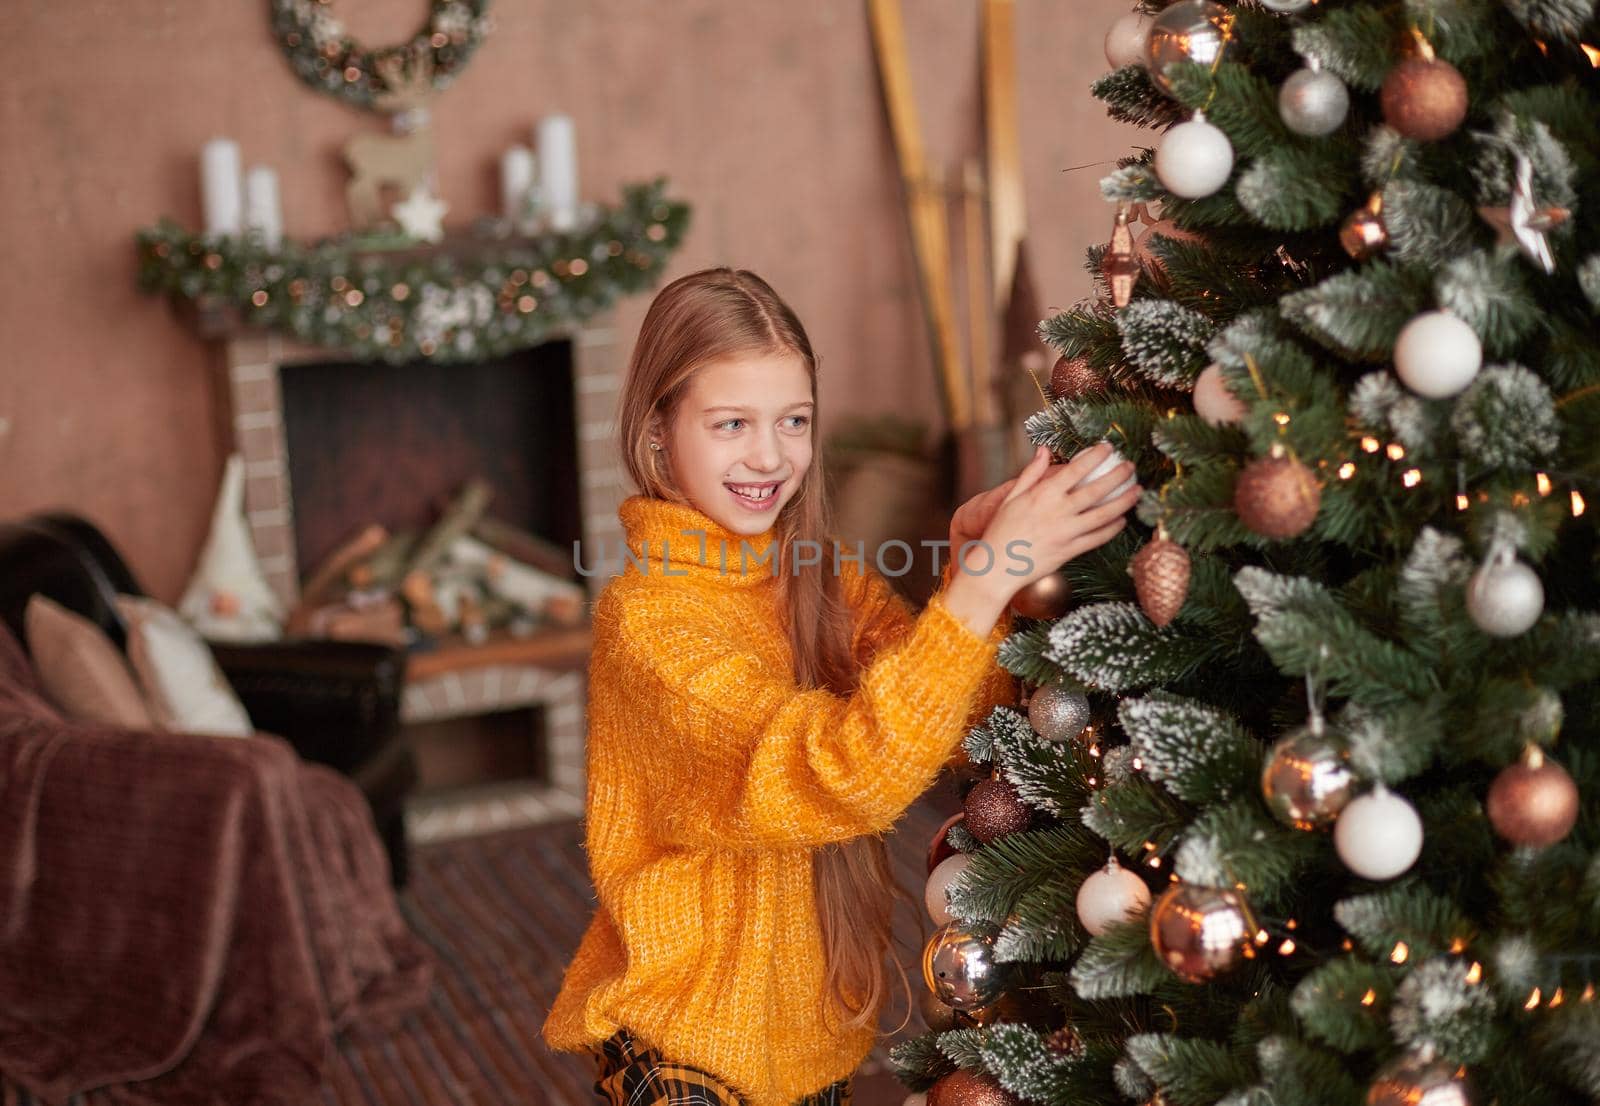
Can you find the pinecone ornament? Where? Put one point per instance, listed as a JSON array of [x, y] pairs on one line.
[[1161, 578]]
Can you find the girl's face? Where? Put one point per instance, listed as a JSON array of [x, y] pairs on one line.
[[740, 442]]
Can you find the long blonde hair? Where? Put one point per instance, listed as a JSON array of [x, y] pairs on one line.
[[699, 318]]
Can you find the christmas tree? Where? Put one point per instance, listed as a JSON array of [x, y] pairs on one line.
[[1304, 805]]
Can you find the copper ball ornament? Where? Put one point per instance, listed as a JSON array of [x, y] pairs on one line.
[[1533, 802], [1416, 1079], [994, 808], [966, 1088], [1307, 780], [1277, 497], [1045, 598], [959, 967], [1073, 377], [1199, 932], [1425, 99], [1190, 30], [1363, 233]]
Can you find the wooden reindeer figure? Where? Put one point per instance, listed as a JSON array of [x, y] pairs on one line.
[[404, 159]]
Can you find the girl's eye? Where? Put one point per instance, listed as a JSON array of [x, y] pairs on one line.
[[727, 423], [799, 421]]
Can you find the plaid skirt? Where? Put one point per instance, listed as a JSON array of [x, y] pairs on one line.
[[630, 1073]]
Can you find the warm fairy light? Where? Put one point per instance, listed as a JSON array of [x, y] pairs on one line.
[[1542, 482], [1533, 1000], [1262, 936], [1281, 418], [1475, 973], [1577, 503], [1411, 478], [1461, 502], [1347, 944], [1155, 862], [1149, 846], [1369, 444], [1137, 764], [1592, 52], [1291, 924], [1092, 782], [1401, 952], [1395, 452], [1287, 947], [1369, 998], [1520, 499], [1458, 944], [1094, 750], [1556, 999], [1588, 994], [1347, 470]]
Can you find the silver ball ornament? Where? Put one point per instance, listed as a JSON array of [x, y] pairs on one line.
[[1313, 102], [1379, 835], [1191, 30], [959, 967], [1058, 713], [1436, 355], [1307, 780], [1504, 597], [1194, 159], [1111, 895]]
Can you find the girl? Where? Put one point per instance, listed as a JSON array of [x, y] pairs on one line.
[[760, 716]]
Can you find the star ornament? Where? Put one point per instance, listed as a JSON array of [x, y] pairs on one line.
[[421, 215], [1524, 222]]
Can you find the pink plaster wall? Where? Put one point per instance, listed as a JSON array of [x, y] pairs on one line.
[[766, 116]]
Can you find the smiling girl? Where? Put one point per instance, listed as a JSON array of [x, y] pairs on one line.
[[757, 723]]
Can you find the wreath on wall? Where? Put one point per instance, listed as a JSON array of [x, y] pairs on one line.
[[325, 57]]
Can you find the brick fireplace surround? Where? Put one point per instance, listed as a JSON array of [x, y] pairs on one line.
[[253, 361]]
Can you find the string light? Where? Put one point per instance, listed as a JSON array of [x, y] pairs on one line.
[[1542, 482], [1347, 470], [1475, 973], [1287, 947], [1155, 862], [1520, 499], [1588, 994], [1556, 999], [1533, 1000], [1369, 998], [1411, 478], [1458, 945], [1370, 444], [1262, 936], [1577, 503], [1396, 451], [1592, 53], [1461, 501], [1138, 763], [1281, 418], [1401, 952]]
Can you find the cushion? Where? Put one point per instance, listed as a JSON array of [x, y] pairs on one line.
[[182, 684], [229, 598], [80, 668]]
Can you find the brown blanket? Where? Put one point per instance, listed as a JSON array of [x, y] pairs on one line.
[[184, 919]]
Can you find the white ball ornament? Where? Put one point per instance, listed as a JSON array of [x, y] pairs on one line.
[[1287, 7], [1212, 400], [1113, 459], [936, 897], [1194, 159], [1313, 102], [916, 1098], [1125, 41], [1437, 355], [1111, 895], [1504, 597], [1379, 835]]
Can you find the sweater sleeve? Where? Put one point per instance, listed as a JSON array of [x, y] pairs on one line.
[[740, 757], [882, 617]]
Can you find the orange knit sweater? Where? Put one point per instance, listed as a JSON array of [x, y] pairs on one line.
[[712, 776]]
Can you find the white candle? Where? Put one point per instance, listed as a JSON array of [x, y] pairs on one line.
[[558, 169], [221, 195], [261, 210], [516, 178]]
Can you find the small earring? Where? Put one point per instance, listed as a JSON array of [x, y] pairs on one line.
[[655, 445]]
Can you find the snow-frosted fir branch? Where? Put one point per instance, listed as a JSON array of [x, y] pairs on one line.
[[1389, 747], [1387, 154], [1553, 170], [1199, 753], [1189, 1069], [1563, 19], [1515, 966], [1025, 1065], [1165, 340], [1350, 43], [1490, 293], [1507, 418], [1132, 183], [1373, 397], [1379, 403], [1439, 1007], [1434, 566], [1427, 922], [1507, 529], [1113, 646]]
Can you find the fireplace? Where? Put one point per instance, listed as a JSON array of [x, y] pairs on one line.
[[322, 438]]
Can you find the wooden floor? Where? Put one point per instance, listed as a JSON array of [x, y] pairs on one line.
[[503, 914]]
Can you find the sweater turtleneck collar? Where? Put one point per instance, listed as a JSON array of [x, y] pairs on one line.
[[676, 540]]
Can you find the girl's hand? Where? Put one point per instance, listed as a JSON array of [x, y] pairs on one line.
[[1052, 517], [972, 518]]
